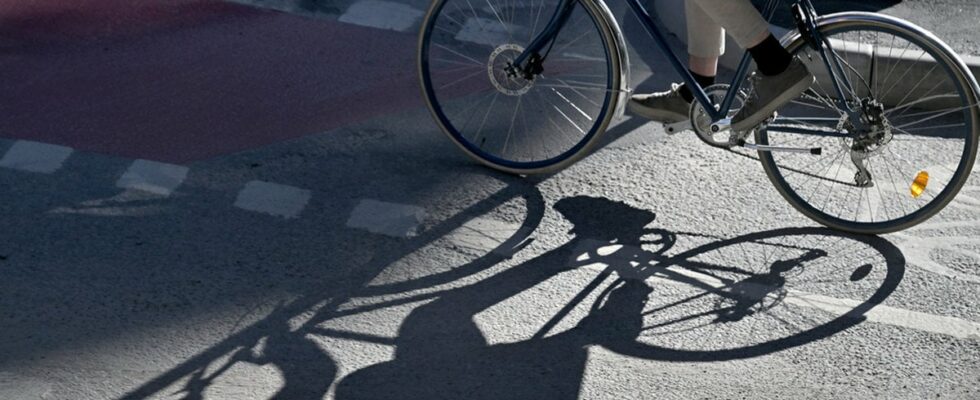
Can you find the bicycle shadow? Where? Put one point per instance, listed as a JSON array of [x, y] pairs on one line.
[[307, 372], [440, 352]]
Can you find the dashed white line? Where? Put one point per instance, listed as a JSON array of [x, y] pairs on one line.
[[35, 157], [272, 198], [487, 32], [950, 326], [382, 14], [153, 177], [391, 219]]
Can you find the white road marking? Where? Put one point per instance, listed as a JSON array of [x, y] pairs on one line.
[[923, 243], [383, 15], [35, 157], [950, 326], [919, 250], [153, 177], [391, 219], [487, 31], [273, 198], [128, 203]]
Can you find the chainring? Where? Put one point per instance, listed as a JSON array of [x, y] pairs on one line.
[[701, 121]]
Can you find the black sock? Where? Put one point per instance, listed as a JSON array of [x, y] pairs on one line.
[[770, 56], [702, 80]]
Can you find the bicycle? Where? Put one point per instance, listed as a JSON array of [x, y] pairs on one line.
[[524, 94]]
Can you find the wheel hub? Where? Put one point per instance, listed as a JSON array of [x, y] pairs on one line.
[[871, 140], [873, 116], [502, 74]]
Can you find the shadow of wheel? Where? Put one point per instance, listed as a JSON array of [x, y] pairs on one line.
[[759, 293]]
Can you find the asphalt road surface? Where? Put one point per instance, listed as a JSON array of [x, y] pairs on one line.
[[218, 201]]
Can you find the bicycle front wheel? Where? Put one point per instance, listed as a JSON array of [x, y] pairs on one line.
[[914, 145], [506, 121]]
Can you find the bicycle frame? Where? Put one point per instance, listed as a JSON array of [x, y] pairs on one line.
[[562, 13]]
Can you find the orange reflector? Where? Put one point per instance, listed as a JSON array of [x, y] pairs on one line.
[[919, 184]]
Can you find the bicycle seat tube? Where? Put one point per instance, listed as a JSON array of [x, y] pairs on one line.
[[806, 15]]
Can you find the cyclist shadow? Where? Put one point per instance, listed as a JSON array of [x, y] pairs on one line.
[[307, 372], [440, 352]]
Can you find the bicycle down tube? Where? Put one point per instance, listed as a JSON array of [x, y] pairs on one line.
[[560, 17]]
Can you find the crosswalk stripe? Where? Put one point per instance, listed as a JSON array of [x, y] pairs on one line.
[[35, 157], [273, 198], [153, 177], [383, 15], [391, 219]]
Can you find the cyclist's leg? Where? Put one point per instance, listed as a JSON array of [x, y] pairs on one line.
[[781, 77], [739, 18], [705, 43], [705, 39]]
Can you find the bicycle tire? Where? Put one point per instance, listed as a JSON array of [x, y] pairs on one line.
[[779, 167], [557, 131]]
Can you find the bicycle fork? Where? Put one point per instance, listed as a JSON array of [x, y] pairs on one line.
[[532, 53], [805, 16]]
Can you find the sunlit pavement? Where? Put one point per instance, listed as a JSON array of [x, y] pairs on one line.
[[218, 201]]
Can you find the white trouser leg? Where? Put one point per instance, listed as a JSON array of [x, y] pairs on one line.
[[738, 17], [705, 38]]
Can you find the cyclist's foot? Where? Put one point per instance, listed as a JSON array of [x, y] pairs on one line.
[[668, 106], [770, 93]]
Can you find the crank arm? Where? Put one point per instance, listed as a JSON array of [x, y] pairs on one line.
[[678, 127]]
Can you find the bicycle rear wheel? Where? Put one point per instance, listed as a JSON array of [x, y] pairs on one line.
[[510, 123], [919, 108]]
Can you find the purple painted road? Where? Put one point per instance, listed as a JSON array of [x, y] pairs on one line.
[[185, 80]]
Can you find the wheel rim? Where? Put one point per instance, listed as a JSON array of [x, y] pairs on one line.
[[510, 121], [933, 133]]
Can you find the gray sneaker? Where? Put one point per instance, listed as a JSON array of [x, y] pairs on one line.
[[666, 106], [771, 92]]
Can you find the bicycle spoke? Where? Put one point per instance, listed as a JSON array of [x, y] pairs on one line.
[[923, 100], [462, 79], [510, 34], [465, 57], [925, 123], [900, 79], [513, 119], [570, 103], [916, 86], [937, 115]]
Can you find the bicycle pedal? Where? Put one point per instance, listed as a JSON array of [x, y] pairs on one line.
[[677, 127]]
